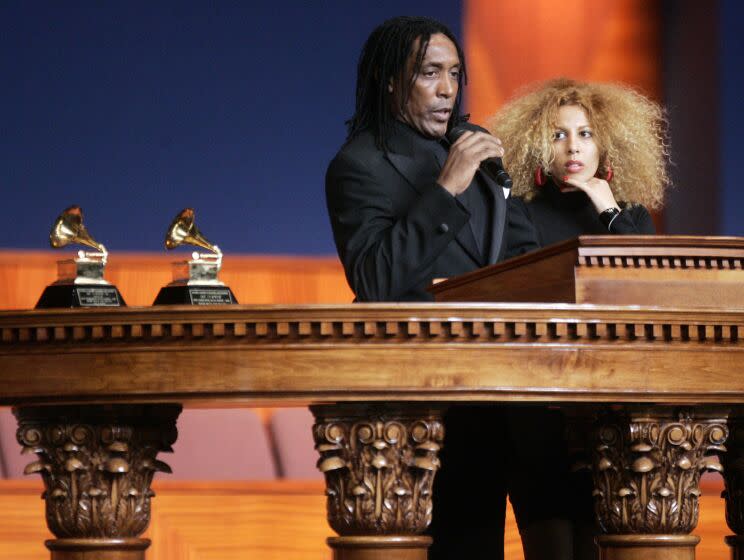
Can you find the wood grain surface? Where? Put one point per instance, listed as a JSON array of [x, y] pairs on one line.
[[372, 352], [139, 277], [272, 520]]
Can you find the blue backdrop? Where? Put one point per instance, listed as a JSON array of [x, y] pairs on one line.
[[134, 110]]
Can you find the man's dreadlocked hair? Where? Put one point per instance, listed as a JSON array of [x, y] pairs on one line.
[[384, 58]]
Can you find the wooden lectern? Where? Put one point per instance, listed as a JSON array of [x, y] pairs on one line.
[[649, 270], [643, 484], [657, 390]]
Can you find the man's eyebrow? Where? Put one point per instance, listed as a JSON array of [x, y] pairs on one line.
[[437, 64]]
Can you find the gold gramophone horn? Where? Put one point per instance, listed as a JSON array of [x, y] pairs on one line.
[[69, 228], [183, 230]]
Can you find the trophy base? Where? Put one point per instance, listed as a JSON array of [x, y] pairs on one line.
[[195, 295], [80, 295]]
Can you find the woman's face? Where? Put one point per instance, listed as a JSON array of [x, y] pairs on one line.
[[576, 152]]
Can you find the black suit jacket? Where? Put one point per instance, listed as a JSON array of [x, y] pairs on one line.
[[395, 228]]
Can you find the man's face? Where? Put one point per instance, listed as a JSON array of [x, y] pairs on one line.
[[434, 89]]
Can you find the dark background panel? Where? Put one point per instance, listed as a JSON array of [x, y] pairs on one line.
[[731, 44], [692, 99]]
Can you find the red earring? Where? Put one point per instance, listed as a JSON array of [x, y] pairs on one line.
[[540, 178], [609, 174]]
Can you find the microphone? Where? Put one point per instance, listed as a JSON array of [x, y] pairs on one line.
[[493, 167]]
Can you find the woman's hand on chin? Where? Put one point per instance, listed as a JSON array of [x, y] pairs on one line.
[[598, 191]]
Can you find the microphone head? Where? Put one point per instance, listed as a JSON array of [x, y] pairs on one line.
[[462, 127], [492, 166]]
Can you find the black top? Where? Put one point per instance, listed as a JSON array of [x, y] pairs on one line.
[[558, 216]]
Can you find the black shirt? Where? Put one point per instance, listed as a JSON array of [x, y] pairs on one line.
[[472, 199], [559, 216]]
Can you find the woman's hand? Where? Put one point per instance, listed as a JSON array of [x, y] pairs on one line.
[[598, 191]]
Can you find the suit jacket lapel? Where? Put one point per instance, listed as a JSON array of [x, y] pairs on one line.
[[419, 171], [498, 224], [466, 239]]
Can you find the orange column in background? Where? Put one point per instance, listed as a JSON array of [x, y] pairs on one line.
[[511, 44]]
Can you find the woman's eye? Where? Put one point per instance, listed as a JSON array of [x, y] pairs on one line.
[[586, 133], [559, 135]]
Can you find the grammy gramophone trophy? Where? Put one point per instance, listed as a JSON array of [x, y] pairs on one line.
[[194, 282], [80, 280]]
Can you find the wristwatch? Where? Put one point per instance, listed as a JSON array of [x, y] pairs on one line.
[[608, 216]]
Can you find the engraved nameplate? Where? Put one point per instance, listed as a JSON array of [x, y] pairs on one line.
[[210, 296], [98, 296]]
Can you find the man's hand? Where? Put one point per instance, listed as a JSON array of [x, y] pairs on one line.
[[465, 156]]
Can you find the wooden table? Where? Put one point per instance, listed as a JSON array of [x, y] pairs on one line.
[[657, 391]]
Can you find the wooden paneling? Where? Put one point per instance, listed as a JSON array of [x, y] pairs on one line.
[[645, 270], [193, 521], [139, 276], [276, 520], [221, 521]]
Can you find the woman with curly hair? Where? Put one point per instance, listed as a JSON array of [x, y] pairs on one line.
[[586, 158]]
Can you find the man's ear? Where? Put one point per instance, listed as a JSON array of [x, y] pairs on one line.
[[390, 86]]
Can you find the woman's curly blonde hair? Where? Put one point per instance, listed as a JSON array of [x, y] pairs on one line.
[[630, 131]]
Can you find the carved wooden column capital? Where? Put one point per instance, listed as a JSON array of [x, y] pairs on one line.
[[379, 464], [646, 469], [97, 463]]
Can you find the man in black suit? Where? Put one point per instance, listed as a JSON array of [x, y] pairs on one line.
[[407, 207]]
